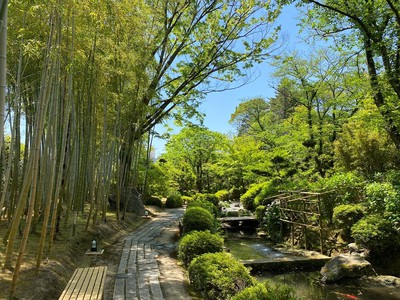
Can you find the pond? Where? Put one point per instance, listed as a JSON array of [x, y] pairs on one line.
[[306, 284]]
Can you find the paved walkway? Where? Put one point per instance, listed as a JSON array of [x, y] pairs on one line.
[[138, 272]]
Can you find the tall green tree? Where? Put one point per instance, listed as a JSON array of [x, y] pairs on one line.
[[323, 89], [201, 46], [192, 151], [371, 27], [248, 116]]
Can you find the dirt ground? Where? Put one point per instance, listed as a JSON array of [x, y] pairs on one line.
[[68, 254]]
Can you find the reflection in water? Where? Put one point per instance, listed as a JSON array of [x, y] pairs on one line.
[[307, 286], [266, 250]]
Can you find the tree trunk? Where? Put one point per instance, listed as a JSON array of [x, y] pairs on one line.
[[3, 66], [30, 179], [379, 98]]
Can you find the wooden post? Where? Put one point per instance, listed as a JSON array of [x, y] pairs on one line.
[[292, 225], [304, 222], [321, 238]]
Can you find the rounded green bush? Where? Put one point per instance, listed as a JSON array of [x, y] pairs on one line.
[[204, 204], [174, 201], [196, 243], [377, 234], [346, 215], [207, 197], [344, 188], [219, 276], [153, 200], [198, 218], [264, 291]]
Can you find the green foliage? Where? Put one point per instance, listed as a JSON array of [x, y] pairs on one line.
[[367, 22], [174, 202], [248, 116], [341, 188], [222, 195], [153, 200], [266, 291], [189, 154], [187, 199], [260, 212], [271, 223], [367, 151], [196, 243], [393, 176], [346, 215], [218, 276], [247, 199], [199, 219], [212, 198], [268, 189], [204, 204], [382, 197], [157, 180], [377, 234], [234, 193]]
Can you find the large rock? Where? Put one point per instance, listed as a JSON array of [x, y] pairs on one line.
[[131, 200], [345, 265], [385, 280]]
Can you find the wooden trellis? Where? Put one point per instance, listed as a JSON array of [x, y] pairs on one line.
[[301, 209]]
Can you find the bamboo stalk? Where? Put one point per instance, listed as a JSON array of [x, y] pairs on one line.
[[34, 157]]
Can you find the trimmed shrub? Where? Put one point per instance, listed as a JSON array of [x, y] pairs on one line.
[[204, 204], [222, 195], [219, 276], [198, 218], [346, 215], [196, 243], [377, 234], [346, 188], [153, 200], [265, 291], [174, 200], [207, 197]]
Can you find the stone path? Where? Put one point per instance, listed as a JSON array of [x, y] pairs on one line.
[[138, 272]]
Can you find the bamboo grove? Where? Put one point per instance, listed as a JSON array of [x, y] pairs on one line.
[[83, 86]]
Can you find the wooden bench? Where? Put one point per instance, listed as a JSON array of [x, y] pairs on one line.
[[85, 283]]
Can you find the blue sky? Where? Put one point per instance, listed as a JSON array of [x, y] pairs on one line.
[[218, 107]]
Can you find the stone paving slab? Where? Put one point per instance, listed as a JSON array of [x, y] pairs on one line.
[[138, 271]]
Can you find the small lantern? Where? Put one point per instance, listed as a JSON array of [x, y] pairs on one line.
[[93, 248], [146, 213]]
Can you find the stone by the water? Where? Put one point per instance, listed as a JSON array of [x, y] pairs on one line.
[[345, 265]]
